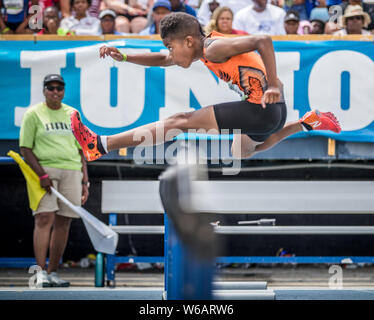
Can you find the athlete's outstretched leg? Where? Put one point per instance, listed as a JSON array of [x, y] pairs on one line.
[[150, 134], [288, 130], [313, 120]]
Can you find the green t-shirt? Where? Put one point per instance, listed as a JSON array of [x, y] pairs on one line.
[[48, 133]]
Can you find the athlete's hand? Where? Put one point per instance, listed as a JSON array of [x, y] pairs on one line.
[[112, 52], [271, 95]]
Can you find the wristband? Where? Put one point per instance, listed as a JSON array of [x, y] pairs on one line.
[[124, 57], [44, 177], [5, 30], [86, 183]]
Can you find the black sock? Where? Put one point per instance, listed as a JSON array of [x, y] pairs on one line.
[[307, 126], [100, 146]]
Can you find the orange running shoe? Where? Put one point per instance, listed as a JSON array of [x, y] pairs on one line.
[[88, 140], [316, 120]]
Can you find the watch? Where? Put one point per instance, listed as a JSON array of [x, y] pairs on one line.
[[87, 183]]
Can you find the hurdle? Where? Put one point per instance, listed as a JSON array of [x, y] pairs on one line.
[[186, 199], [228, 197], [234, 197]]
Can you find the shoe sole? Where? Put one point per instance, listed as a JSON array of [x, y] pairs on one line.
[[61, 285]]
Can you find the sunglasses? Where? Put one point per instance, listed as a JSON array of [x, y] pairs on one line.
[[355, 18], [52, 88]]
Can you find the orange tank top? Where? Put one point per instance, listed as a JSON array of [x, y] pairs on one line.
[[244, 73]]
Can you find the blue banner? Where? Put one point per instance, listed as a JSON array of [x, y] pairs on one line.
[[112, 97]]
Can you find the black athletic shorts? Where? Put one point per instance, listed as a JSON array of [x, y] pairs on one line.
[[252, 119]]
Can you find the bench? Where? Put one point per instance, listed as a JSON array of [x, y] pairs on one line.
[[245, 197]]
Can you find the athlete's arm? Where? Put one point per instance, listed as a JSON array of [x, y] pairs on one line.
[[144, 59], [221, 50]]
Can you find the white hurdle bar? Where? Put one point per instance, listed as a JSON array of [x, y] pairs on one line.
[[248, 230]]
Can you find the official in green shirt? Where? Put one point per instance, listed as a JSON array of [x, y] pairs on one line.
[[49, 147]]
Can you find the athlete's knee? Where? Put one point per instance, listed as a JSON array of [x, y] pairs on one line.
[[243, 150], [242, 154]]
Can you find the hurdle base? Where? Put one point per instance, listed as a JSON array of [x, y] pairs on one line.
[[243, 295], [239, 285]]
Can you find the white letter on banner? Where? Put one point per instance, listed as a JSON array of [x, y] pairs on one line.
[[198, 79], [95, 90], [325, 87], [41, 63], [287, 64]]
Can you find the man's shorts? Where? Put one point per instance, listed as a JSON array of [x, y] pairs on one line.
[[69, 184]]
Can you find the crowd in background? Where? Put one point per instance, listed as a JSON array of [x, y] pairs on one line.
[[142, 17]]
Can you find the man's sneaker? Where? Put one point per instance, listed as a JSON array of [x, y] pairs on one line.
[[88, 140], [42, 280], [316, 120], [56, 281]]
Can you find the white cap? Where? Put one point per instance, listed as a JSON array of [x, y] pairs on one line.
[[106, 12]]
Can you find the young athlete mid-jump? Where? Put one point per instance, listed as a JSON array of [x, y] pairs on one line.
[[260, 115]]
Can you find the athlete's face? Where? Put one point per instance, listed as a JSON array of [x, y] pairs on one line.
[[182, 51]]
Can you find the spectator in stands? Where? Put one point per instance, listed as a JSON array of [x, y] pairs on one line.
[[260, 18], [14, 16], [108, 22], [304, 27], [50, 149], [221, 21], [160, 9], [354, 20], [317, 27], [204, 13], [63, 6], [131, 17], [319, 13], [81, 23], [94, 8], [213, 5], [318, 19], [367, 6], [296, 5], [291, 22], [179, 6], [51, 23]]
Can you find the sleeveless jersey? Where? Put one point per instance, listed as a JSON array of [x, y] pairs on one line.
[[244, 73]]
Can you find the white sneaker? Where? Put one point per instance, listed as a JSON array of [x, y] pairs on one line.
[[56, 281], [42, 280]]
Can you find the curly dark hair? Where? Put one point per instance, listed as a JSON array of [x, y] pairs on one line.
[[178, 25], [72, 3]]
